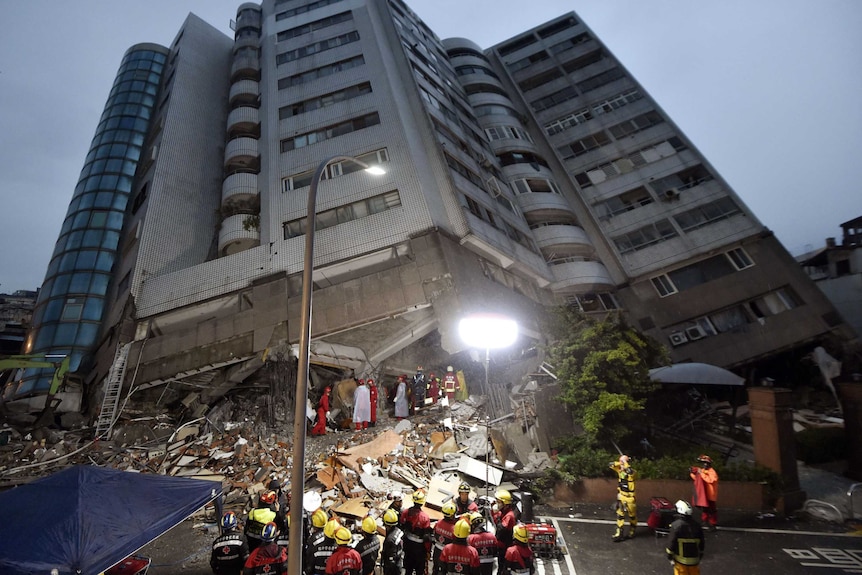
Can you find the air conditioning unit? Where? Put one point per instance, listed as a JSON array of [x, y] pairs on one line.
[[671, 194], [678, 338], [695, 332]]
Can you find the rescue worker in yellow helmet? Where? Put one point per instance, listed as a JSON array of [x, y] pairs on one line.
[[345, 560], [392, 557], [485, 542], [321, 548], [458, 558], [443, 534], [685, 542], [505, 517], [318, 521], [519, 557], [626, 504], [369, 546], [417, 536]]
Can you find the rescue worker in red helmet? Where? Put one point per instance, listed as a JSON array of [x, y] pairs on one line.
[[463, 503], [505, 517], [230, 549], [322, 413], [458, 558], [626, 503], [450, 384], [518, 559], [268, 557], [443, 534], [345, 560], [485, 542], [705, 491], [685, 542], [392, 556], [417, 536], [369, 546], [258, 517]]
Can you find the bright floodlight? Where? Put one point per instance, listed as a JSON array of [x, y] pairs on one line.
[[375, 170], [489, 331]]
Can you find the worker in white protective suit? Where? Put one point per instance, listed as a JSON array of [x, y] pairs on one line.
[[361, 405]]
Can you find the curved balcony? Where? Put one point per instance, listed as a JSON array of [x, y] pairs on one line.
[[246, 92], [538, 205], [581, 277], [563, 239], [238, 188], [243, 120], [241, 152], [233, 237], [245, 67], [249, 41]]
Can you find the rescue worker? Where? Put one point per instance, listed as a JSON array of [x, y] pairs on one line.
[[433, 388], [318, 522], [463, 504], [258, 517], [402, 407], [450, 384], [457, 557], [322, 548], [369, 546], [685, 543], [626, 504], [282, 504], [268, 557], [443, 534], [322, 413], [361, 406], [345, 560], [230, 549], [505, 518], [283, 538], [418, 389], [485, 542], [397, 502], [372, 394], [519, 557], [392, 556], [417, 536], [705, 491]]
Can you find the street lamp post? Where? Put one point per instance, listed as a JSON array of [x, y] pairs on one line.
[[297, 471], [488, 331]]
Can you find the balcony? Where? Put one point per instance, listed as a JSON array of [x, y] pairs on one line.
[[563, 240], [539, 205], [238, 233], [580, 277], [245, 67], [249, 41], [239, 188], [241, 153], [244, 120], [245, 92]]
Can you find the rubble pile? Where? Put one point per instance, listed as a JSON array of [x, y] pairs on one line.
[[354, 472]]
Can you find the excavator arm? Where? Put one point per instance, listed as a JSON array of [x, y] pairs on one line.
[[59, 363]]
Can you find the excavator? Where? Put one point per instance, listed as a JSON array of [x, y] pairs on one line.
[[60, 365]]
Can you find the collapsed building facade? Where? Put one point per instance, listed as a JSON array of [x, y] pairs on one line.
[[533, 173]]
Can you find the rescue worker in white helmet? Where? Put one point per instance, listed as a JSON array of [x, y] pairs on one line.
[[230, 549], [345, 560], [685, 542], [443, 534], [417, 536], [369, 546], [485, 542], [519, 557], [626, 504], [458, 558], [392, 557]]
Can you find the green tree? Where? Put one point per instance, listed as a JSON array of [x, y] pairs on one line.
[[603, 370]]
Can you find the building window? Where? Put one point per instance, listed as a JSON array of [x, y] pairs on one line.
[[507, 132], [479, 70], [616, 102], [568, 121], [669, 187], [739, 258], [314, 26], [625, 202], [345, 213], [705, 214], [663, 285], [593, 302], [516, 45], [73, 309], [335, 170], [635, 125], [644, 237], [535, 185], [330, 132], [630, 162], [600, 80], [540, 80], [583, 61], [528, 61], [569, 43], [701, 272], [316, 48], [558, 97], [324, 101], [303, 9], [491, 109], [584, 145], [322, 72]]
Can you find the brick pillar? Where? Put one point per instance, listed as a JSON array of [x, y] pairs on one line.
[[774, 444], [851, 404]]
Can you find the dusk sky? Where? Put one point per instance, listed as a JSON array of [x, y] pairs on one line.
[[770, 91]]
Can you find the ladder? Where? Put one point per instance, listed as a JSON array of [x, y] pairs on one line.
[[113, 386]]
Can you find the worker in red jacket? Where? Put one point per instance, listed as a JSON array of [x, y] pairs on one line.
[[519, 557], [322, 412], [458, 558], [417, 536], [269, 557], [372, 392], [505, 517], [444, 534], [345, 560], [485, 542]]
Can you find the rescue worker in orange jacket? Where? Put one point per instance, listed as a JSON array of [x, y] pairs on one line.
[[626, 503], [417, 536], [450, 384], [345, 560], [458, 558], [433, 387], [485, 542], [519, 557], [443, 534], [705, 490]]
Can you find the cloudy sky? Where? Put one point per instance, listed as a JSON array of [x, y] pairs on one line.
[[769, 90]]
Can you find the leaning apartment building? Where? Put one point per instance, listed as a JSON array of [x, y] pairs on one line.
[[532, 173]]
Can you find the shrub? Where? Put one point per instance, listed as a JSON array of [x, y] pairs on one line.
[[821, 445]]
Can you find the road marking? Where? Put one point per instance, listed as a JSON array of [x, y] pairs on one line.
[[738, 529], [568, 555]]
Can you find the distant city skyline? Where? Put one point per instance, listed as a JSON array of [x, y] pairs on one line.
[[767, 91]]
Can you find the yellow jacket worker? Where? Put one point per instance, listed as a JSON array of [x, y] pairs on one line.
[[625, 497]]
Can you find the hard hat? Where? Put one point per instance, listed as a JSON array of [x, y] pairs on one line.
[[270, 532], [419, 497], [520, 533], [419, 368], [705, 459], [461, 530], [431, 374], [683, 508], [477, 518], [342, 536], [504, 496], [331, 527], [319, 518], [369, 525], [228, 521], [268, 497], [396, 495], [463, 488], [361, 382], [370, 382], [390, 517], [449, 509], [450, 368]]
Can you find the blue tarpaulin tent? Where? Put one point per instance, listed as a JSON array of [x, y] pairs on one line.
[[86, 519]]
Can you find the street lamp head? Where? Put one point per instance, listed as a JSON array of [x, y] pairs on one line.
[[489, 331], [375, 170]]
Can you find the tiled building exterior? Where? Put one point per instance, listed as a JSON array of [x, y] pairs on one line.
[[532, 173]]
